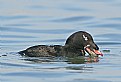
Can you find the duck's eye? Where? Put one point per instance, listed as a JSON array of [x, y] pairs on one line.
[[85, 38]]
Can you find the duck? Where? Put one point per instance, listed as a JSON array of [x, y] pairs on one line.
[[77, 44]]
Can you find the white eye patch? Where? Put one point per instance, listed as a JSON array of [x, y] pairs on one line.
[[85, 38]]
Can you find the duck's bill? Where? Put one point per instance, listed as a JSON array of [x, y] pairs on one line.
[[93, 52]]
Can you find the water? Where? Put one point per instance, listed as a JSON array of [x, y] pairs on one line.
[[24, 23]]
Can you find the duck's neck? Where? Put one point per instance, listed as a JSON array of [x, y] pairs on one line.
[[70, 50]]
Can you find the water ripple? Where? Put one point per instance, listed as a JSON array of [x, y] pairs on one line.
[[15, 41], [15, 65], [54, 40], [36, 74], [74, 19], [37, 7], [107, 25], [48, 31], [15, 36], [108, 43], [111, 36], [19, 24], [99, 1], [117, 18], [75, 9], [13, 17]]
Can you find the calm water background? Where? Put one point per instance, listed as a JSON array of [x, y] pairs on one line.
[[24, 23]]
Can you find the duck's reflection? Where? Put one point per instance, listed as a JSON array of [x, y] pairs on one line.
[[68, 60]]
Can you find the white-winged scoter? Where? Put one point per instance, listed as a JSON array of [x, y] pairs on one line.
[[76, 45]]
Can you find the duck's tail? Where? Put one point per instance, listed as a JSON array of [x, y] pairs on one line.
[[22, 53]]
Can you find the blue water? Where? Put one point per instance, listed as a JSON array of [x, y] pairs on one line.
[[24, 23]]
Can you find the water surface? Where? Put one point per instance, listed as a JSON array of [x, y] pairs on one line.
[[24, 23]]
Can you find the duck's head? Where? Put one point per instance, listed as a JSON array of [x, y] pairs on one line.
[[84, 41]]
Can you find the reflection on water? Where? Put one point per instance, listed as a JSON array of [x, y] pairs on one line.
[[26, 23]]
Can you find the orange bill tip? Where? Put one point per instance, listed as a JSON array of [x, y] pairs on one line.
[[98, 52]]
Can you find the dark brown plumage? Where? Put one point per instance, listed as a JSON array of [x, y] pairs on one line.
[[75, 45]]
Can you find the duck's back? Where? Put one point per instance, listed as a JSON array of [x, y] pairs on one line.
[[42, 51]]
